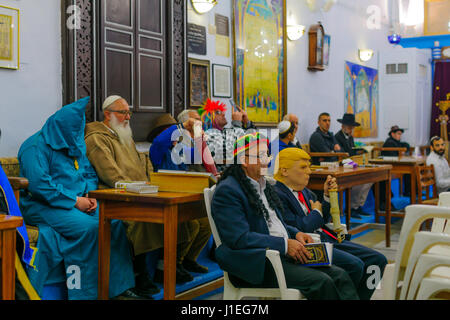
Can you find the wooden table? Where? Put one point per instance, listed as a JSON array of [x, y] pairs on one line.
[[404, 165], [348, 178], [168, 208], [8, 225]]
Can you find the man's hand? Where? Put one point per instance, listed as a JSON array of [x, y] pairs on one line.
[[244, 115], [84, 204], [189, 125], [297, 251], [337, 148], [316, 205], [330, 184], [236, 115], [304, 238], [93, 204]]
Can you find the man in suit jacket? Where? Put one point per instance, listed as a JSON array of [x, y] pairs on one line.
[[345, 139], [247, 213], [303, 212]]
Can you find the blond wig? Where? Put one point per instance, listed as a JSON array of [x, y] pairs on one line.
[[286, 159]]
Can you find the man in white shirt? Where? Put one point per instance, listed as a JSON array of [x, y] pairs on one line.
[[440, 163]]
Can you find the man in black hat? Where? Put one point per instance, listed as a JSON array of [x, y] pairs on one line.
[[345, 139], [393, 141], [345, 136]]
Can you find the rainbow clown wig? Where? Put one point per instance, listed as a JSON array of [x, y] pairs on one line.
[[208, 111]]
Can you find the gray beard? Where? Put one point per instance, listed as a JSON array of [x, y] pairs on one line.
[[123, 132]]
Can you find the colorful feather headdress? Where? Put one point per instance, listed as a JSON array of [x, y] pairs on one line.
[[208, 111]]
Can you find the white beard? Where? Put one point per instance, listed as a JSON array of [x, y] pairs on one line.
[[123, 130]]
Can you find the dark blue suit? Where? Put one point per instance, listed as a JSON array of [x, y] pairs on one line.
[[352, 257], [245, 238]]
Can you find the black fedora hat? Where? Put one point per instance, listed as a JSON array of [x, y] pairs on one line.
[[395, 129], [349, 120], [161, 123]]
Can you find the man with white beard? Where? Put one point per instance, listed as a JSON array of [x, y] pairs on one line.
[[112, 152]]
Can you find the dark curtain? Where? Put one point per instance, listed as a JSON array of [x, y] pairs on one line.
[[441, 88]]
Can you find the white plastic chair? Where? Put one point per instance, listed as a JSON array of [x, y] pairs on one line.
[[230, 291], [442, 225], [433, 286], [423, 260], [428, 265], [394, 273]]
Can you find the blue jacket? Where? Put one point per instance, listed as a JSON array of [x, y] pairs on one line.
[[161, 151], [294, 215], [244, 234], [283, 145]]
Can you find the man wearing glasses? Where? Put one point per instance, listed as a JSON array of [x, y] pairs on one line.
[[221, 140], [248, 215], [112, 152]]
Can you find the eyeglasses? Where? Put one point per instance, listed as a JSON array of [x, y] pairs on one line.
[[123, 112]]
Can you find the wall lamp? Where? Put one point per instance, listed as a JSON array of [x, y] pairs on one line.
[[295, 31], [365, 54], [203, 6]]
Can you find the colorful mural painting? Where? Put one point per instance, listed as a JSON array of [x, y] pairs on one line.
[[260, 58], [361, 98]]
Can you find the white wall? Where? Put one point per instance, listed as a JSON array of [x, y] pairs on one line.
[[223, 8], [310, 93], [30, 95], [406, 98]]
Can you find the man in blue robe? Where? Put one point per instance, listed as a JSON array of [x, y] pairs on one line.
[[60, 177]]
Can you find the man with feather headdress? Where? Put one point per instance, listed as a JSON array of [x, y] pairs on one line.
[[220, 140]]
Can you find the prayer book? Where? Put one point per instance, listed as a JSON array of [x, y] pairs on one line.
[[321, 254], [136, 186]]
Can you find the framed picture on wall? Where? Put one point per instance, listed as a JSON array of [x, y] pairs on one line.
[[199, 82], [9, 38], [221, 81]]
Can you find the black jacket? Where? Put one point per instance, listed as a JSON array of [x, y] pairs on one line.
[[322, 142], [392, 143], [347, 145]]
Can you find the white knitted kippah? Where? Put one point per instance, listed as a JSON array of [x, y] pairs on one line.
[[110, 100], [284, 126]]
